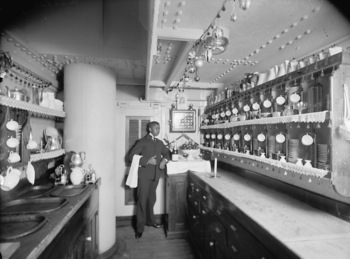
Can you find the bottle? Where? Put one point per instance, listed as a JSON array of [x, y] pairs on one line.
[[175, 154]]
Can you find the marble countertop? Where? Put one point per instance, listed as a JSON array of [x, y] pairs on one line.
[[33, 245], [307, 231]]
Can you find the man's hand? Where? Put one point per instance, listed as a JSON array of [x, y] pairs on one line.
[[152, 160], [162, 163]]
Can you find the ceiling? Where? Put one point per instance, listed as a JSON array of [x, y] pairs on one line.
[[146, 42]]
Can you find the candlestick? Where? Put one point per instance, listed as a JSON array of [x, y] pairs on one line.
[[215, 166]]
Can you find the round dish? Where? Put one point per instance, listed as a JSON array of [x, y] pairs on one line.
[[256, 106], [267, 103], [247, 137], [280, 100], [261, 137], [236, 137], [280, 138], [227, 136], [307, 140], [234, 110], [246, 108], [294, 98]]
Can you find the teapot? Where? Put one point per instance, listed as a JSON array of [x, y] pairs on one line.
[[53, 143], [77, 159]]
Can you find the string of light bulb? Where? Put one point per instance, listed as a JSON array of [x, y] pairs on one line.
[[211, 42]]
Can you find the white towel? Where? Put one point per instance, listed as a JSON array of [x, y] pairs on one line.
[[131, 181]]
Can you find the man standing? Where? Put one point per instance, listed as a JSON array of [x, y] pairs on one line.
[[155, 155]]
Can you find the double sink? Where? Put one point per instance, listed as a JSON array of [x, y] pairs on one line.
[[30, 212]]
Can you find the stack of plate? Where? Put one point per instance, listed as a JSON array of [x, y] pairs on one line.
[[322, 152], [293, 150], [271, 146]]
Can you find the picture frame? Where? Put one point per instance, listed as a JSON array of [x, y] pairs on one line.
[[183, 121]]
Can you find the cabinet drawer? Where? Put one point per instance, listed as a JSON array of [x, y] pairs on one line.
[[242, 242]]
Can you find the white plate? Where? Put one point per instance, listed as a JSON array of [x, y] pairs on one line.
[[261, 137], [307, 140], [207, 136], [227, 136], [213, 136], [267, 103], [256, 106], [234, 110], [12, 125], [280, 100], [295, 98], [236, 137], [219, 136], [280, 138], [247, 137], [246, 108], [30, 173]]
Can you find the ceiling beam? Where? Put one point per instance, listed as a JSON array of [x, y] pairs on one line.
[[179, 64], [179, 34], [153, 13]]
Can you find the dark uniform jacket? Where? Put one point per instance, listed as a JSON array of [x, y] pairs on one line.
[[147, 148]]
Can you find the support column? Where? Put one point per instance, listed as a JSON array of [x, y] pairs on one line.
[[90, 126]]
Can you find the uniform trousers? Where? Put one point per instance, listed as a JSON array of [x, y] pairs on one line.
[[146, 198]]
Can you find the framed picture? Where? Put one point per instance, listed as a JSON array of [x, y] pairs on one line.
[[183, 121]]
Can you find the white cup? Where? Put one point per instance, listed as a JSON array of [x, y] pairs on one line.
[[11, 179], [12, 125], [13, 157], [32, 144], [12, 142]]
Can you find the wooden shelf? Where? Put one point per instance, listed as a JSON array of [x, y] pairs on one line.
[[36, 110], [315, 117], [46, 155]]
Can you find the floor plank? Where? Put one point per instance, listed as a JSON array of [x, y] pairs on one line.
[[153, 244]]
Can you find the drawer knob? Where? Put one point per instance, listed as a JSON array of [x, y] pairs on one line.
[[235, 249], [233, 228]]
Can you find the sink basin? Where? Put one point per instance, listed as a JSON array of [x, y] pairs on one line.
[[37, 205], [36, 191], [68, 190], [16, 226]]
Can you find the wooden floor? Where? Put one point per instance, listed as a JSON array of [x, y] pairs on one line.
[[153, 244]]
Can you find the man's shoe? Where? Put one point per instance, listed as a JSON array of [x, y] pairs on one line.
[[157, 225], [138, 235]]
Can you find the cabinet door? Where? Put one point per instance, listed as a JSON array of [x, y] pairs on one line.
[[175, 202], [91, 239]]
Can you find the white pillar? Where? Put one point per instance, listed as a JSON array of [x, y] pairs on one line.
[[90, 126]]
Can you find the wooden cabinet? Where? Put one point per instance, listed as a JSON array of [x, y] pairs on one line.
[[176, 219], [219, 230], [78, 239]]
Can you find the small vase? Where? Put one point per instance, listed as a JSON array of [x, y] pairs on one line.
[[283, 159], [299, 162], [308, 164]]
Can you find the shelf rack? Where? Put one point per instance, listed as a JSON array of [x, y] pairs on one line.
[[34, 109]]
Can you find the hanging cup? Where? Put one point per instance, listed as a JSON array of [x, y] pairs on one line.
[[13, 157], [12, 125], [12, 142]]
